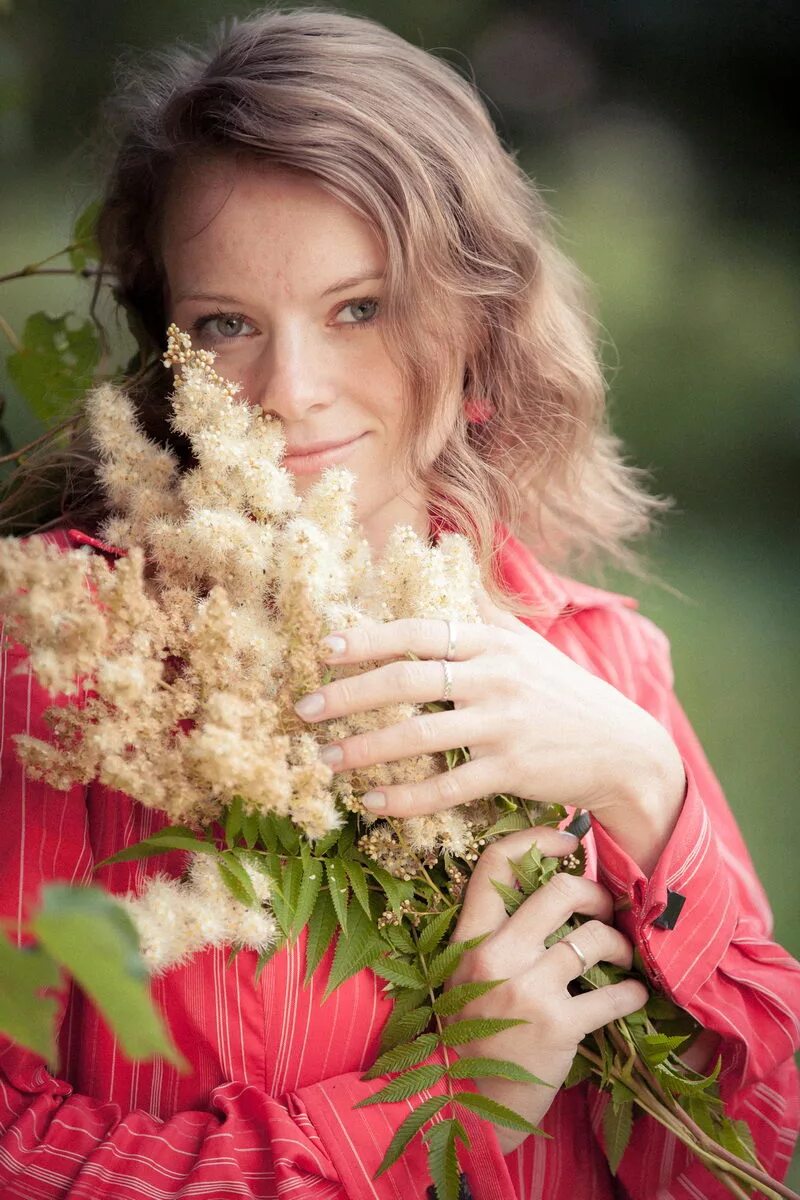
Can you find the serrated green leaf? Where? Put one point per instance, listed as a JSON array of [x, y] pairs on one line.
[[55, 363], [236, 879], [445, 962], [617, 1128], [308, 895], [347, 837], [402, 1026], [511, 897], [401, 1057], [233, 821], [170, 838], [736, 1137], [322, 925], [440, 1141], [621, 1093], [358, 882], [474, 1028], [455, 998], [250, 829], [91, 935], [581, 1069], [409, 1084], [399, 939], [266, 955], [25, 1015], [339, 888], [680, 1085], [435, 930], [402, 974], [267, 832], [288, 836], [498, 1114], [657, 1047], [508, 824], [356, 948], [323, 844], [410, 1127], [479, 1068]]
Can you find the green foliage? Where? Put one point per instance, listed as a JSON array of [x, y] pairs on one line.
[[55, 362], [171, 837], [356, 948], [25, 1014], [617, 1129], [440, 1140], [410, 1127], [90, 935]]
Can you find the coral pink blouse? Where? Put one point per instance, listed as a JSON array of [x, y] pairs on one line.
[[267, 1110]]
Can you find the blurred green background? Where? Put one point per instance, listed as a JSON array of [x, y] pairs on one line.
[[660, 134]]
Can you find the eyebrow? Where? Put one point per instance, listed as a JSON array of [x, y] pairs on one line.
[[339, 286]]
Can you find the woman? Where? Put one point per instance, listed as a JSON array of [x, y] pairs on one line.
[[329, 209]]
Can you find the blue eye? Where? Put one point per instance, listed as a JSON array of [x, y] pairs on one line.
[[368, 302], [200, 324]]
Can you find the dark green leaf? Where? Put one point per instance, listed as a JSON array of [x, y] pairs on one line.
[[397, 890], [472, 1029], [250, 828], [399, 939], [323, 845], [498, 1114], [287, 834], [402, 1026], [266, 955], [267, 832], [321, 927], [410, 1127], [233, 821], [511, 897], [581, 1069], [409, 1084], [478, 1068], [435, 930], [309, 894], [170, 838], [446, 961], [440, 1140], [456, 997], [236, 879], [508, 824], [406, 1055], [25, 1015], [93, 938], [339, 888], [358, 882], [357, 948], [657, 1047], [617, 1128], [401, 974]]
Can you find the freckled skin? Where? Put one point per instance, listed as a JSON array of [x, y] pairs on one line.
[[273, 242]]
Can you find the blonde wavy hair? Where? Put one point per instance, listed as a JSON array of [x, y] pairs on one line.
[[473, 274]]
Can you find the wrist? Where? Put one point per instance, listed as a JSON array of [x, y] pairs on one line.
[[647, 803]]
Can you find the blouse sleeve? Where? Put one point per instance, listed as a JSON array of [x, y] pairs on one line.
[[703, 926], [55, 1142]]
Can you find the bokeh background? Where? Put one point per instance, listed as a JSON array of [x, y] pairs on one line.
[[659, 131]]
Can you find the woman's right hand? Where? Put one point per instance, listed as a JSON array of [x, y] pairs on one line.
[[536, 987]]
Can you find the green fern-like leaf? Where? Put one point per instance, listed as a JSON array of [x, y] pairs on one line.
[[478, 1068], [406, 1055], [440, 1141], [446, 961], [357, 948], [308, 894], [410, 1127], [400, 1028], [435, 930], [498, 1114], [322, 925], [358, 882], [339, 889], [480, 1027], [402, 974], [455, 998], [418, 1079], [617, 1129]]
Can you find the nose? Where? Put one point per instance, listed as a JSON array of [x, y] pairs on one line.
[[293, 375]]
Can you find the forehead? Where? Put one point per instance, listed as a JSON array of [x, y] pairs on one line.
[[261, 217]]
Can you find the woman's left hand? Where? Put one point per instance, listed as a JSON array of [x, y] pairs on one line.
[[537, 725]]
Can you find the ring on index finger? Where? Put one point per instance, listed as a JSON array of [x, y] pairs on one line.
[[448, 679]]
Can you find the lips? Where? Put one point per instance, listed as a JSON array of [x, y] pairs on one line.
[[317, 447]]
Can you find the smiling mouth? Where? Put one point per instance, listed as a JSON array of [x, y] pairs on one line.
[[303, 462]]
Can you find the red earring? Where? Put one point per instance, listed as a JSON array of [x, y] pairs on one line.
[[478, 412]]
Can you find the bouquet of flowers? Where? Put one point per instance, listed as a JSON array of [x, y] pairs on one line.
[[184, 662]]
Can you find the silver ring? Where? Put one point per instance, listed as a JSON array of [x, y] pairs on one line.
[[452, 633], [579, 952], [448, 679]]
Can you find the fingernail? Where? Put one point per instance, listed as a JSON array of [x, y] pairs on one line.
[[335, 645], [571, 836], [374, 800], [309, 706], [331, 755]]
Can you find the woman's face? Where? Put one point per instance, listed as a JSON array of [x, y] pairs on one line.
[[257, 264]]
